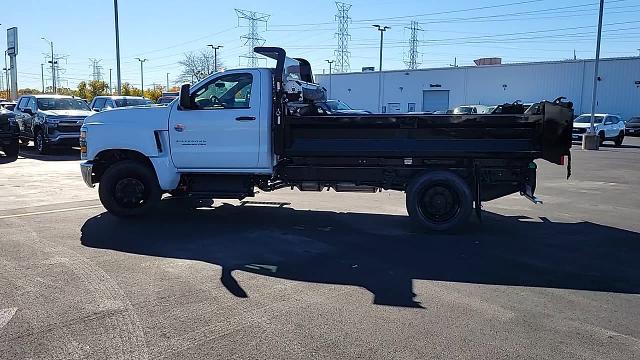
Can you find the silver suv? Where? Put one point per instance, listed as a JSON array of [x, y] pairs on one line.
[[609, 127], [101, 103]]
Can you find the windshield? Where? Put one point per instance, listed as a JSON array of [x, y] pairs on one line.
[[46, 104], [132, 102], [336, 105], [463, 110], [635, 120], [586, 119]]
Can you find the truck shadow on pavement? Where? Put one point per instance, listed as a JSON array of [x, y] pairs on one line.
[[54, 154], [381, 253]]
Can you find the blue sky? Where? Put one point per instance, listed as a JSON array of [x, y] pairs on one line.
[[162, 31]]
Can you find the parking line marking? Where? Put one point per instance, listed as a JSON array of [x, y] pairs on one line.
[[6, 315], [49, 211]]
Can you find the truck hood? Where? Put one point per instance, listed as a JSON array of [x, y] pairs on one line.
[[67, 113], [584, 125], [133, 118]]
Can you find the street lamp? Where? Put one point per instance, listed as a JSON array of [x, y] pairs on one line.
[[330, 62], [53, 71], [382, 29], [167, 81], [141, 74], [119, 79], [591, 140], [215, 56]]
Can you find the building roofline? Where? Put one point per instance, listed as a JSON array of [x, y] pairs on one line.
[[637, 58]]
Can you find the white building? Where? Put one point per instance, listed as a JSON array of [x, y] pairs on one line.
[[446, 88]]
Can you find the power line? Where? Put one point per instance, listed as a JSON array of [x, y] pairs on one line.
[[253, 37], [96, 73], [342, 53]]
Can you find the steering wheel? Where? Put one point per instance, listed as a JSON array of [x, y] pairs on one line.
[[215, 100]]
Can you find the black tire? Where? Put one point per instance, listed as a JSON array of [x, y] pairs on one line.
[[12, 149], [129, 188], [439, 201], [619, 139], [40, 143], [602, 137]]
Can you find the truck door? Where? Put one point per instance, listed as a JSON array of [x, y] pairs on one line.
[[222, 131]]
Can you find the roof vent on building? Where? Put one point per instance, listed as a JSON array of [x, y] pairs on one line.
[[488, 61]]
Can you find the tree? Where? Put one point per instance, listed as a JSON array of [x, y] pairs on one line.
[[83, 90], [97, 88], [126, 89], [198, 65]]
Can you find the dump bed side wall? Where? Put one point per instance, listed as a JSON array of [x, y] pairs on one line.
[[405, 136]]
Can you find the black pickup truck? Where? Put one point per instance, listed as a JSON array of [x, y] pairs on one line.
[[207, 144]]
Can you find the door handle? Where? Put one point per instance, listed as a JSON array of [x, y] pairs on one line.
[[179, 127], [245, 118]]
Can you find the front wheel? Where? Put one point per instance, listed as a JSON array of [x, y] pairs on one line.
[[129, 188], [12, 149], [41, 143], [439, 200], [619, 139]]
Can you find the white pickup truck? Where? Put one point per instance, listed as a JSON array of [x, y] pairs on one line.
[[265, 127]]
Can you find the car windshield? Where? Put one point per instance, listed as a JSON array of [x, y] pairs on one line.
[[585, 119], [336, 105], [463, 110], [62, 104], [635, 120], [132, 102]]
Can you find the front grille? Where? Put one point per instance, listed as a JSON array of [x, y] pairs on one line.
[[579, 130], [68, 128]]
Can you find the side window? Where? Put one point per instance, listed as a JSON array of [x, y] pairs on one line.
[[32, 104], [109, 104], [23, 103], [232, 91], [99, 103], [608, 120]]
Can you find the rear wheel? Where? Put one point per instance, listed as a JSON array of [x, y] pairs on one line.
[[440, 201], [619, 139], [129, 188]]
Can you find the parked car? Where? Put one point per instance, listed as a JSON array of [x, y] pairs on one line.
[[471, 109], [338, 107], [9, 133], [632, 126], [101, 103], [163, 100], [50, 120], [9, 105], [609, 127]]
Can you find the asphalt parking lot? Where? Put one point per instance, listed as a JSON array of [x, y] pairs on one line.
[[321, 275]]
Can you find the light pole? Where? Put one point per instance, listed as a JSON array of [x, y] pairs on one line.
[[53, 71], [167, 81], [42, 73], [118, 78], [590, 141], [110, 88], [330, 62], [382, 29], [215, 56], [141, 74], [6, 74]]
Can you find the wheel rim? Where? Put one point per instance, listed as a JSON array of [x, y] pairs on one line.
[[39, 142], [439, 203], [130, 193]]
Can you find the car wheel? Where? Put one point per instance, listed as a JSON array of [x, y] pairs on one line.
[[12, 149], [439, 200], [41, 143], [602, 138], [129, 188], [619, 139]]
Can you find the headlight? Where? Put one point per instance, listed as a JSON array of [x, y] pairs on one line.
[[83, 142]]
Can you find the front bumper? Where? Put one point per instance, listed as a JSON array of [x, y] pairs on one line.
[[64, 139], [86, 168], [632, 131]]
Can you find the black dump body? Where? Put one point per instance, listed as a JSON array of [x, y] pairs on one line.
[[493, 153]]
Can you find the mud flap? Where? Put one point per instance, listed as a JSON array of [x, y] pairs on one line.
[[557, 125]]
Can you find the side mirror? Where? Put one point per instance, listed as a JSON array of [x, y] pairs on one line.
[[27, 111], [185, 97], [96, 109]]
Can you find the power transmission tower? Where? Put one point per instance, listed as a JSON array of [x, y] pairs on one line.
[[253, 37], [57, 71], [412, 57], [342, 54], [96, 73]]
